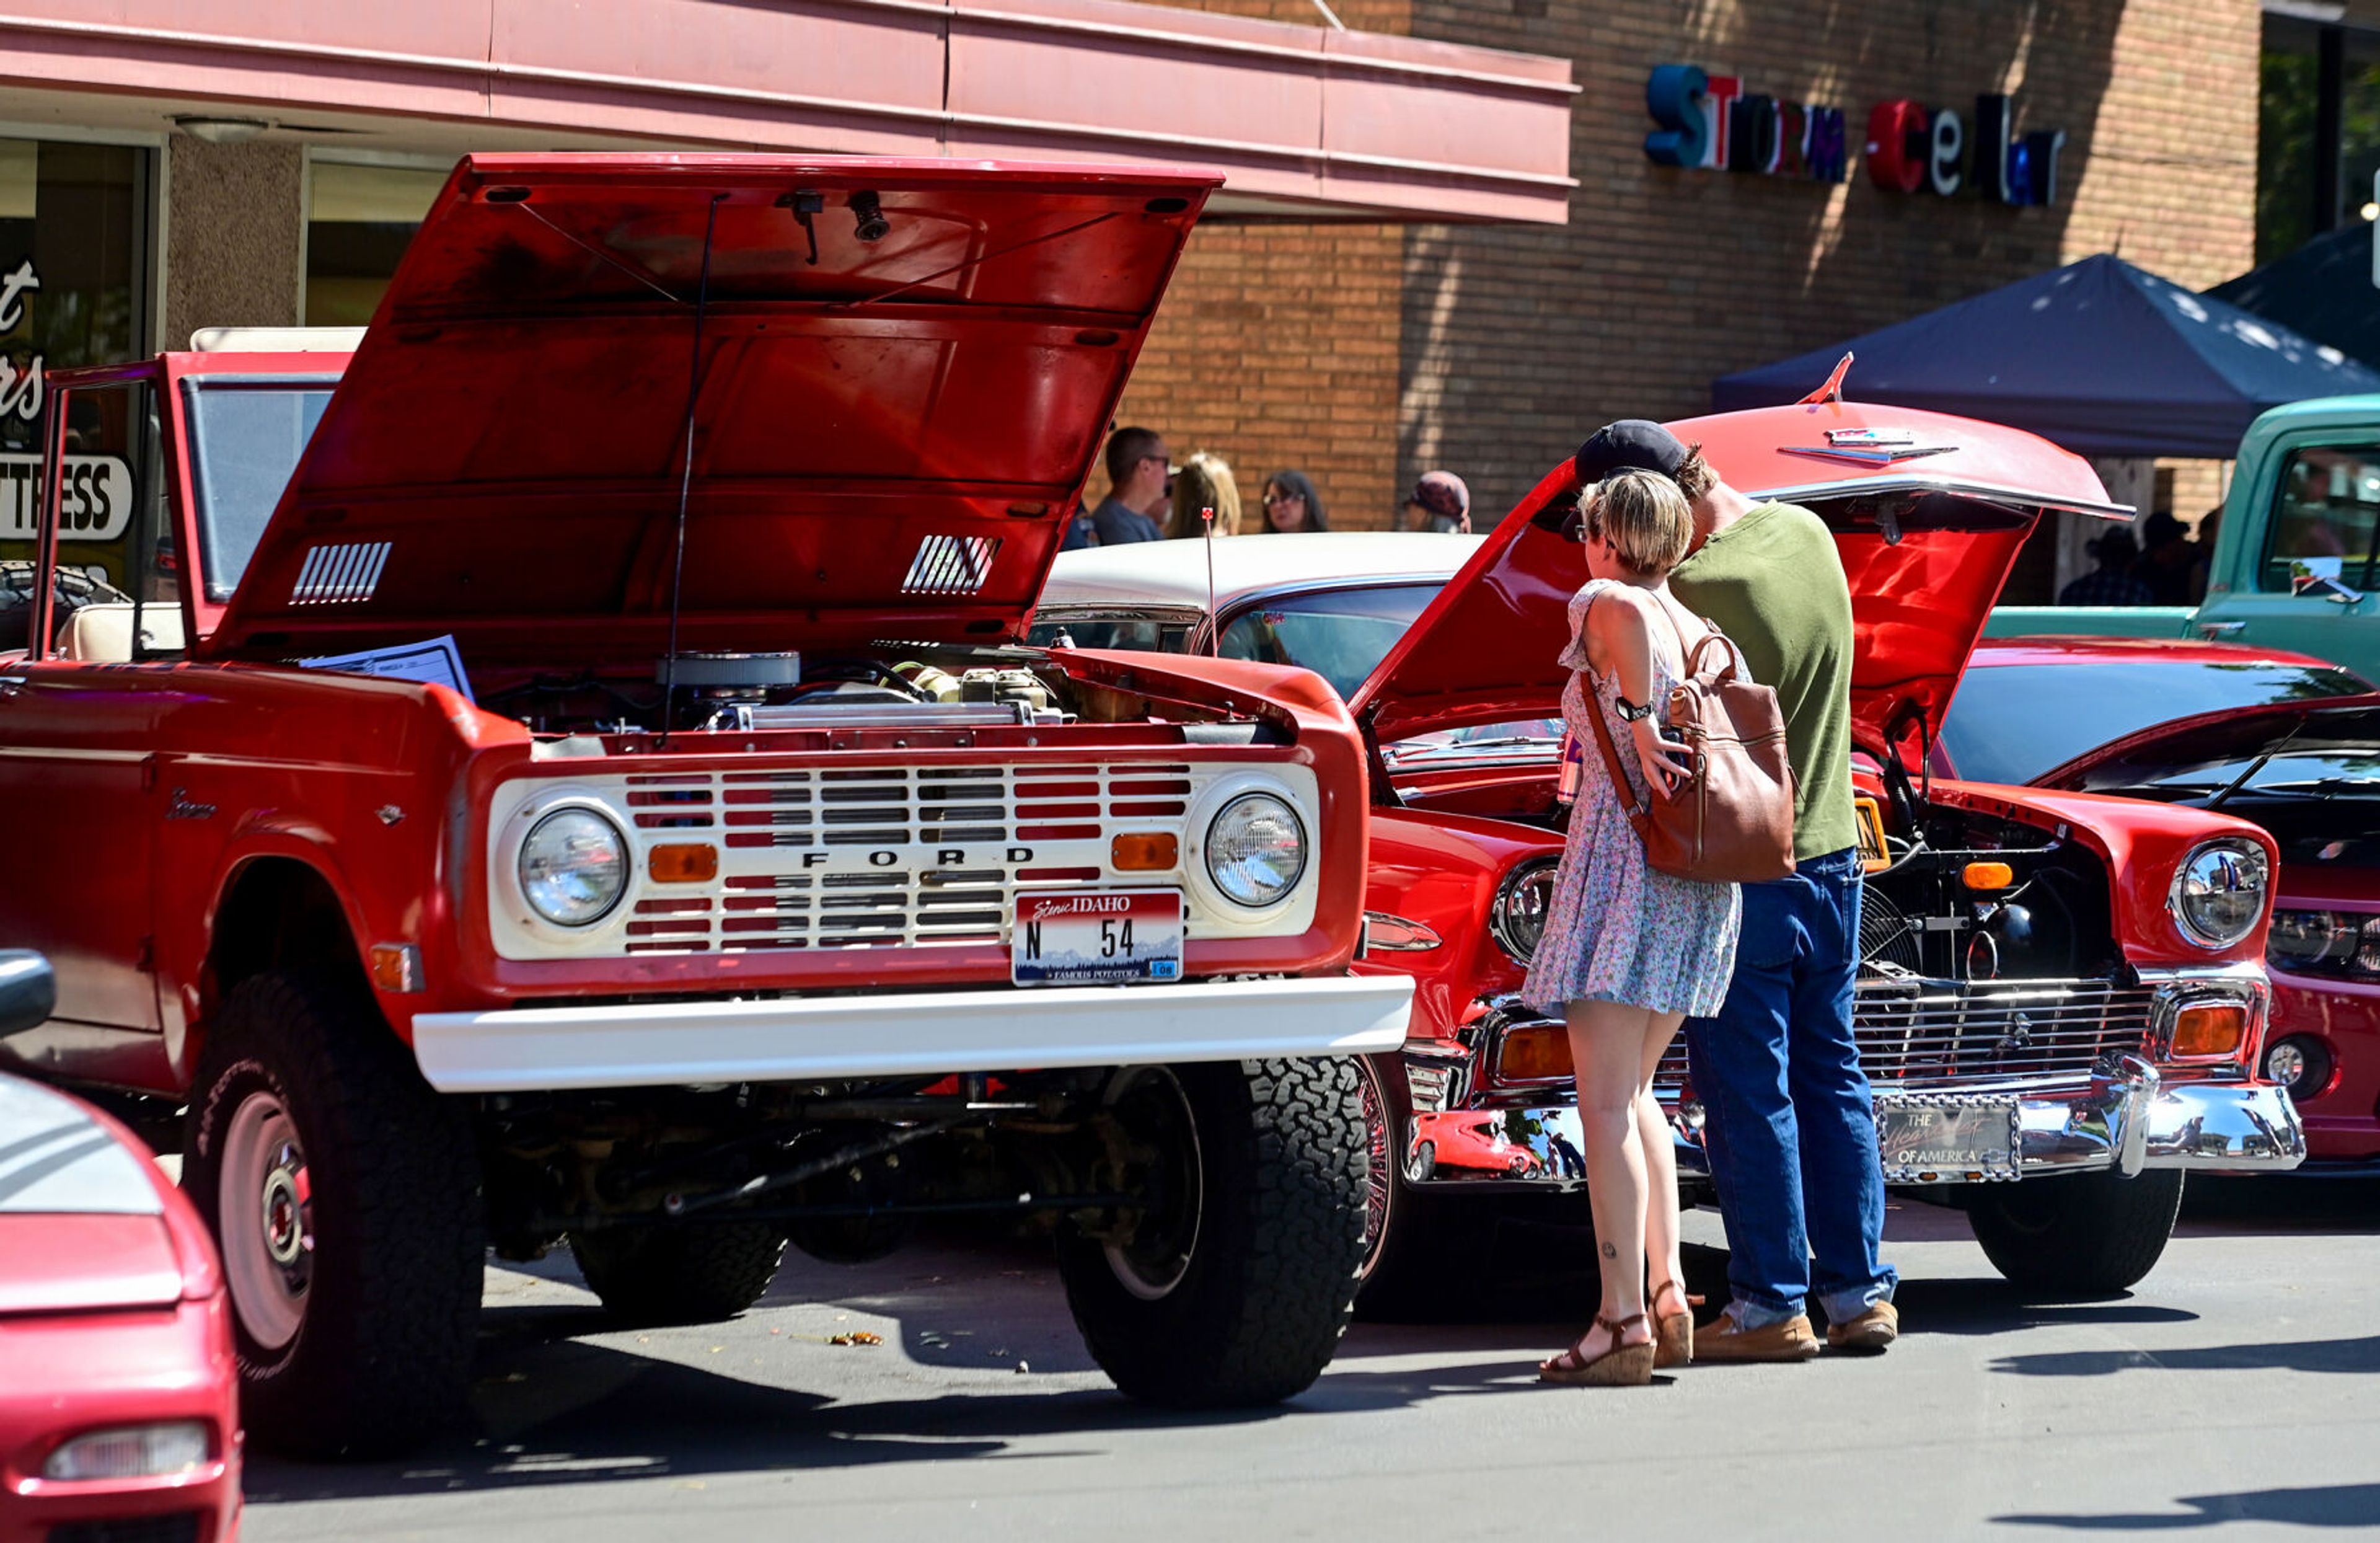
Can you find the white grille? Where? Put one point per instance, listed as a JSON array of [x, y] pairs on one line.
[[806, 850], [951, 566], [342, 573]]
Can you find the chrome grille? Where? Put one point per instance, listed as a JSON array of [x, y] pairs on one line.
[[1917, 1034]]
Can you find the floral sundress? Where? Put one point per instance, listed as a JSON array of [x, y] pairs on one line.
[[1620, 931]]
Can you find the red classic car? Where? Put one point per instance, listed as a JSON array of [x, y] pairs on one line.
[[2283, 740], [601, 792], [119, 1410], [2061, 1000]]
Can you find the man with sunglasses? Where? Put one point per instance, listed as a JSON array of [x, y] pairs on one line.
[[1136, 478]]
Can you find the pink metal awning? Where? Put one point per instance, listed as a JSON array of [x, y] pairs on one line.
[[1304, 122]]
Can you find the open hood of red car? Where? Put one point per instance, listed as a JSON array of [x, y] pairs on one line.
[[886, 432], [2228, 737], [1928, 512]]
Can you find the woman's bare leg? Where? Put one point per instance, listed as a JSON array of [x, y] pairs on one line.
[[1605, 1044], [1660, 1163]]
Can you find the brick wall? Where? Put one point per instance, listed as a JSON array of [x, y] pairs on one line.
[[1278, 347], [1367, 355], [1665, 279]]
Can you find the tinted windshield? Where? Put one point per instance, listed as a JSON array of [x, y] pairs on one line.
[[1151, 634], [2329, 773], [245, 440], [1341, 635], [2010, 724]]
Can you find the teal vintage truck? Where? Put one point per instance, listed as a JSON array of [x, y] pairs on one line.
[[2294, 561]]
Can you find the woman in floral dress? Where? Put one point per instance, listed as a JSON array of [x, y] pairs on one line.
[[1628, 952]]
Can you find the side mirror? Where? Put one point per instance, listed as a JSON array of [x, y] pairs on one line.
[[28, 992], [2319, 577]]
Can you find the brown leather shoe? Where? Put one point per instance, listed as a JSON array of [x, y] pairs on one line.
[[1868, 1334], [1725, 1339]]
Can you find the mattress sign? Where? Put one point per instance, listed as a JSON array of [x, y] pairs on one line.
[[95, 502]]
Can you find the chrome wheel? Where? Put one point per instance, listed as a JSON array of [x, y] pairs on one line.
[[1150, 1103], [266, 1201], [1379, 1189]]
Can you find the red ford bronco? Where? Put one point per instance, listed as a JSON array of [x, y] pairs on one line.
[[569, 772]]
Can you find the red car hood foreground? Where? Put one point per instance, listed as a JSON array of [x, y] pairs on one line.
[[87, 1223], [887, 435], [1926, 540]]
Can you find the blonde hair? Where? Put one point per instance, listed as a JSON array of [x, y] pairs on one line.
[[1205, 482], [1645, 517]]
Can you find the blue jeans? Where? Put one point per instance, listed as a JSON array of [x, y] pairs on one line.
[[1789, 1124]]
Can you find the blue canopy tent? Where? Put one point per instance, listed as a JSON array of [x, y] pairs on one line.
[[2324, 289], [2097, 355]]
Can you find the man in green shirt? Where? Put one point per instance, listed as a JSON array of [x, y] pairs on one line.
[[1789, 1121]]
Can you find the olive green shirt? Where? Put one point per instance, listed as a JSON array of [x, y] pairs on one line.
[[1774, 583]]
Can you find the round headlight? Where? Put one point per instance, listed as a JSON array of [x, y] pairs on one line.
[[574, 867], [2218, 893], [1516, 917], [1255, 849]]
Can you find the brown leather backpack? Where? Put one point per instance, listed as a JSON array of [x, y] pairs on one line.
[[1731, 821]]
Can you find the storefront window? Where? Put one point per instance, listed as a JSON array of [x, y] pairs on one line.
[[2286, 99], [359, 220], [74, 260], [2318, 132]]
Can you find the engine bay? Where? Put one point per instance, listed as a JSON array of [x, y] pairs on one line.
[[747, 693]]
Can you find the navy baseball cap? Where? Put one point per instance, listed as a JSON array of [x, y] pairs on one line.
[[1633, 443]]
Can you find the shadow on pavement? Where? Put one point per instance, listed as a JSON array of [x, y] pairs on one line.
[[550, 1408], [1990, 1306], [2311, 1356], [2329, 1505], [2281, 1205]]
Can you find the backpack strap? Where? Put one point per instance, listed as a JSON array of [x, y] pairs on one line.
[[1636, 812]]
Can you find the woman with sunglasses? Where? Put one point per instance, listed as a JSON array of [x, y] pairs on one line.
[[1291, 504]]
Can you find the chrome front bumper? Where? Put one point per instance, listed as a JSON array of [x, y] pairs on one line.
[[2125, 1116]]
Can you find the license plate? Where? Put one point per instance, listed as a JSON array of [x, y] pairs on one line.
[[1093, 940], [1925, 1138]]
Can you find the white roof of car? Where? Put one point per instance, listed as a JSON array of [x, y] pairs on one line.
[[1174, 573]]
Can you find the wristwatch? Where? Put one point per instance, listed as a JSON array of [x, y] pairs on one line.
[[1629, 712]]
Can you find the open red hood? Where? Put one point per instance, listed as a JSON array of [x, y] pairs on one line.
[[886, 437], [1928, 524], [2225, 737]]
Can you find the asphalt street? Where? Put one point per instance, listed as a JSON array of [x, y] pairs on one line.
[[2235, 1392]]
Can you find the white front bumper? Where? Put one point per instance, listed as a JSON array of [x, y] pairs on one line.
[[909, 1034]]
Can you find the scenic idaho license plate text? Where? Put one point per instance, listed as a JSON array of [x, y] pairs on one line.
[[1088, 940]]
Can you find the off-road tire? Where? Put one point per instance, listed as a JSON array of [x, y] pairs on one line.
[[381, 1359], [1271, 1283], [2086, 1235], [679, 1272]]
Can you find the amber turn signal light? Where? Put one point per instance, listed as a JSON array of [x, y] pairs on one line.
[[1533, 1053], [682, 862], [2212, 1031], [1146, 852], [396, 968], [1987, 876]]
